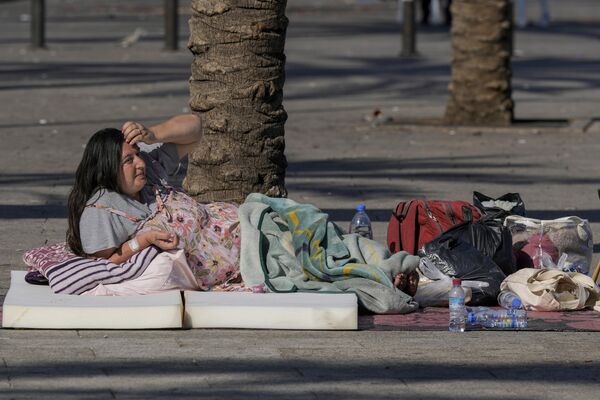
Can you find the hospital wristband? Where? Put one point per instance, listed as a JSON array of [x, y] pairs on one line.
[[134, 245]]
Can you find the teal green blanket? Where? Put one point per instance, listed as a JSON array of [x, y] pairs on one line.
[[293, 247]]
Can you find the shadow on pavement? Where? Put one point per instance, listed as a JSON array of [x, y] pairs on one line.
[[238, 378], [17, 211], [337, 175], [583, 29], [24, 75], [420, 77], [97, 122], [82, 40], [37, 179]]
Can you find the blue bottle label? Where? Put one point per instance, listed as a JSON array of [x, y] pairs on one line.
[[456, 302]]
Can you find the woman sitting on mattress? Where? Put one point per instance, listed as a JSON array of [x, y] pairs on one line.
[[125, 199]]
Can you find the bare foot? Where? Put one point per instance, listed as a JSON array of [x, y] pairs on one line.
[[413, 283], [400, 281], [407, 284]]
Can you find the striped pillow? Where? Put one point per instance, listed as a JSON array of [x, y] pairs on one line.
[[79, 274]]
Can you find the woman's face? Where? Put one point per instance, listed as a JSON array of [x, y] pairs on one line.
[[132, 176]]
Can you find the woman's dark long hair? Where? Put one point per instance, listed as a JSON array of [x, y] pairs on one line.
[[99, 169]]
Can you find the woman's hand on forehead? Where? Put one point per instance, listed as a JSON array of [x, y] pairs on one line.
[[134, 132]]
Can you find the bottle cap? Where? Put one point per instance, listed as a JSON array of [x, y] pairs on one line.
[[516, 303], [470, 317], [455, 282], [360, 207]]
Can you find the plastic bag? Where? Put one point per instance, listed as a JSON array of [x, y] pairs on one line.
[[541, 243], [434, 286], [500, 208], [455, 258], [488, 236]]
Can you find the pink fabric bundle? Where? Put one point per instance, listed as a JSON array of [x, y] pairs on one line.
[[42, 258], [531, 255]]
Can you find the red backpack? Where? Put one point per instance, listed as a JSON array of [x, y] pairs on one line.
[[416, 222]]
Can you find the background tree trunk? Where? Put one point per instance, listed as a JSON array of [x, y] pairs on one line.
[[237, 88], [480, 89]]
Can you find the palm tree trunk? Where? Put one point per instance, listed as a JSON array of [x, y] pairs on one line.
[[480, 89], [237, 88]]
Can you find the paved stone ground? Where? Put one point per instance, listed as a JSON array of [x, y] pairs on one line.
[[342, 65]]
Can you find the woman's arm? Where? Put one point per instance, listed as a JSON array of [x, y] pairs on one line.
[[183, 130], [161, 239]]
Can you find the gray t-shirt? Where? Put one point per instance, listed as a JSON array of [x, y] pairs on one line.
[[101, 229]]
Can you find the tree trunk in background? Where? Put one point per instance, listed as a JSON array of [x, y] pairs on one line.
[[480, 89], [237, 88]]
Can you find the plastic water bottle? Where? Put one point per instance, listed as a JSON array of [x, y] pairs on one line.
[[500, 319], [508, 300], [361, 224], [456, 302]]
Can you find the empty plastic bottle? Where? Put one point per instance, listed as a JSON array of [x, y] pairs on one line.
[[456, 302], [500, 319], [509, 299], [361, 224]]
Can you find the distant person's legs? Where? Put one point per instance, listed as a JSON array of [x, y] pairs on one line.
[[521, 17], [545, 13], [425, 5], [448, 13]]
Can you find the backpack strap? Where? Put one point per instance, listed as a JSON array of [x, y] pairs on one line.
[[161, 196], [120, 213], [160, 203]]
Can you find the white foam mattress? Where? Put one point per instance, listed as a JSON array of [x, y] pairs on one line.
[[271, 310], [34, 306]]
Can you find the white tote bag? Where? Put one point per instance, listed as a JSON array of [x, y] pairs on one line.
[[553, 290]]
